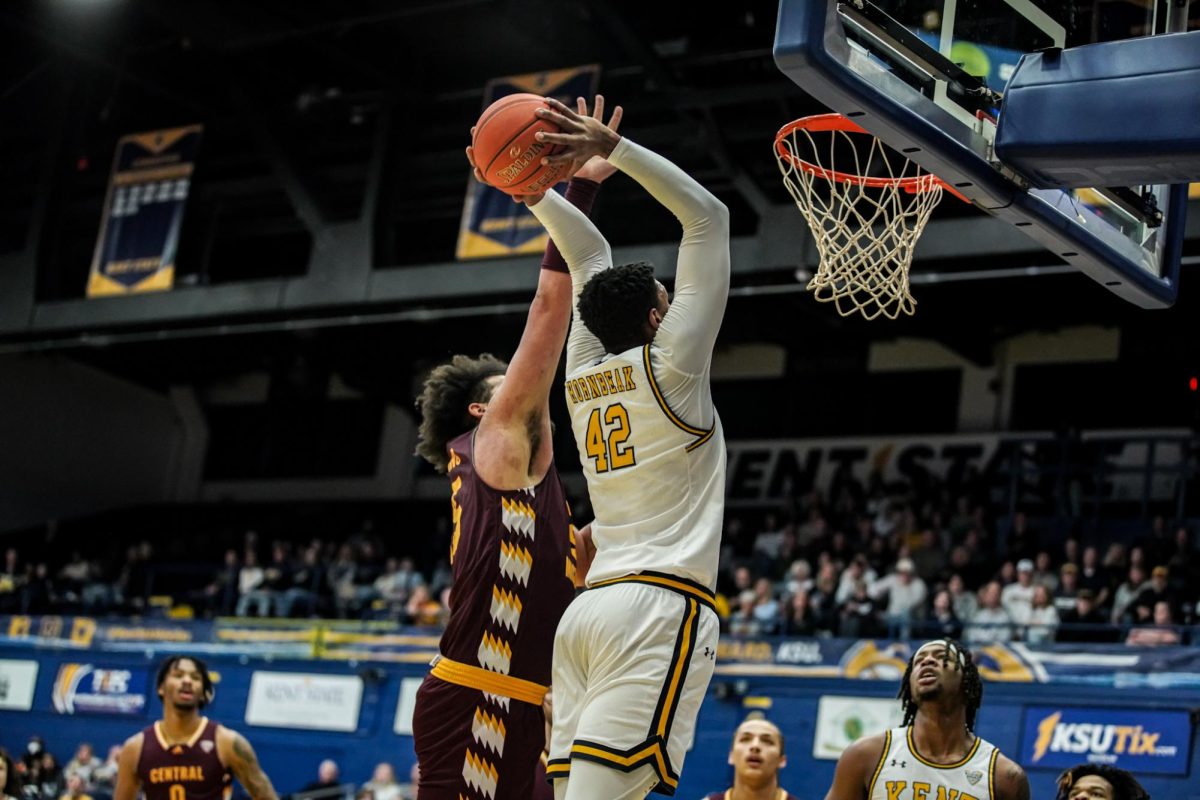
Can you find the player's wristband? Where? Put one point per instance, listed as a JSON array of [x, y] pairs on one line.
[[581, 193]]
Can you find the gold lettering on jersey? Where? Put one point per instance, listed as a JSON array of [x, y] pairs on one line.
[[924, 791], [180, 774], [455, 508], [601, 384]]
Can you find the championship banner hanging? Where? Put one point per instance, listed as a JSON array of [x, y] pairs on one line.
[[492, 224], [143, 212]]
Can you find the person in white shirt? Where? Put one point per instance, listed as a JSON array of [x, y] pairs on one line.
[[906, 594], [1017, 597], [990, 622], [1043, 617], [633, 655]]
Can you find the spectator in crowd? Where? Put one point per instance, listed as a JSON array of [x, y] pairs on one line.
[[1160, 633], [1017, 597], [12, 577], [905, 596], [942, 622], [45, 779], [104, 779], [1085, 622], [10, 781], [859, 615], [328, 779], [34, 749], [766, 607], [301, 593], [799, 618], [743, 622], [1044, 572], [1068, 588], [250, 579], [1042, 619], [383, 784], [1093, 576], [1126, 594], [38, 595], [929, 558], [857, 570], [84, 764], [1115, 563], [220, 596], [798, 578], [76, 789], [422, 608], [1071, 552], [990, 622], [965, 602], [408, 791], [1158, 591]]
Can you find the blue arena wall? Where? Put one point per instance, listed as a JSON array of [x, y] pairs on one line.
[[791, 700]]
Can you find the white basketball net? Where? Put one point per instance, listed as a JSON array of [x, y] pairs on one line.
[[865, 228]]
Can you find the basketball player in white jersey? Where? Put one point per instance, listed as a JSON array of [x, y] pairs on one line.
[[935, 755], [634, 654]]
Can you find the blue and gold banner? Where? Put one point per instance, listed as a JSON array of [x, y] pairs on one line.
[[143, 212], [492, 224], [92, 689], [1138, 740]]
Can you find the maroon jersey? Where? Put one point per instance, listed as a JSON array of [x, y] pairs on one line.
[[187, 771], [513, 558]]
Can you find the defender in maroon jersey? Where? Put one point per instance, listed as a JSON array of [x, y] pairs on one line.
[[478, 721], [756, 755], [186, 756]]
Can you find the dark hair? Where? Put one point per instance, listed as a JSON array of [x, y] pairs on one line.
[[444, 399], [613, 305], [12, 781], [758, 716], [1124, 784], [205, 680], [972, 686]]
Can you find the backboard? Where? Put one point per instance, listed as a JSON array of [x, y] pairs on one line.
[[926, 77]]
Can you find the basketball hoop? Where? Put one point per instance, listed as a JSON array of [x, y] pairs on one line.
[[866, 222]]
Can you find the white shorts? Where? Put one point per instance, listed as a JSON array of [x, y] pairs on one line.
[[632, 660]]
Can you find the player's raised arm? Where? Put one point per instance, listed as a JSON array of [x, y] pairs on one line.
[[128, 784], [237, 753], [513, 446], [583, 247], [702, 275]]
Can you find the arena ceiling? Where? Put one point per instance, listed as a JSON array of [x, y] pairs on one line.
[[294, 97]]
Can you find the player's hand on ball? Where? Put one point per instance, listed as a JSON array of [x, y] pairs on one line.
[[471, 159], [581, 136], [597, 168]]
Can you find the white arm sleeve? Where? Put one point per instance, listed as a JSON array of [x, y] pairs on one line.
[[586, 253], [689, 331]]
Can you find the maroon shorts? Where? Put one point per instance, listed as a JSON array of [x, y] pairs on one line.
[[470, 746]]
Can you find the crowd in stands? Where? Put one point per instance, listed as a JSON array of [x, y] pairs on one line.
[[37, 774], [856, 562]]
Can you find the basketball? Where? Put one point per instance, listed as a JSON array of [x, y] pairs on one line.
[[505, 150]]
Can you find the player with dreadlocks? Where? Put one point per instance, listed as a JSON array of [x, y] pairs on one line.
[[935, 754], [1099, 782]]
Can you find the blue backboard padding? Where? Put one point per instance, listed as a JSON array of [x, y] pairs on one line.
[[1113, 114], [812, 50]]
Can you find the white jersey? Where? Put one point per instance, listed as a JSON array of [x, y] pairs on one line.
[[649, 438], [903, 774]]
